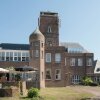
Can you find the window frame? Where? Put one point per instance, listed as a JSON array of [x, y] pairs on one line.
[[58, 57], [49, 29], [76, 79], [72, 61], [89, 62], [48, 56], [80, 62], [58, 74], [48, 74]]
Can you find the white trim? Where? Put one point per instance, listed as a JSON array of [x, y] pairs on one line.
[[48, 57], [72, 61], [57, 57]]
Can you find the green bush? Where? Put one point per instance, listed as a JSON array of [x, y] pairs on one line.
[[33, 92], [87, 80]]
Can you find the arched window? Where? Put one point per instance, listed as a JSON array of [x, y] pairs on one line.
[[49, 29]]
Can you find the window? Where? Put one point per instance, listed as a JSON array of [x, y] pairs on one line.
[[58, 74], [26, 75], [36, 43], [49, 29], [98, 70], [97, 79], [80, 62], [48, 57], [36, 53], [23, 56], [19, 56], [89, 62], [48, 74], [15, 56], [11, 56], [57, 57], [27, 56], [49, 43], [42, 44], [3, 56], [31, 43], [7, 56], [72, 62], [76, 79]]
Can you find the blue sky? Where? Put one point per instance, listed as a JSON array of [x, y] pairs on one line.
[[80, 21]]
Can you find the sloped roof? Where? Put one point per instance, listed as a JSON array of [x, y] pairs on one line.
[[97, 67], [11, 46], [72, 46]]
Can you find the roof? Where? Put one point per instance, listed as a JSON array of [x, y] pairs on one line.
[[48, 13], [36, 35], [73, 47], [24, 68], [37, 31], [11, 46], [97, 67]]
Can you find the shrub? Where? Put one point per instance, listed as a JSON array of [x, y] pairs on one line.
[[93, 84], [87, 80], [17, 77], [33, 92]]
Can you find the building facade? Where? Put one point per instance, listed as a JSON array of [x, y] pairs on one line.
[[58, 64]]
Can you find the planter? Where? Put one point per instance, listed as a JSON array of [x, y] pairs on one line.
[[9, 92]]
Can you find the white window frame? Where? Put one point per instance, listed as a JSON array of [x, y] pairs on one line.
[[48, 74], [80, 62], [13, 55], [48, 57], [16, 56], [7, 56], [23, 56], [76, 79], [72, 61], [58, 57], [58, 74]]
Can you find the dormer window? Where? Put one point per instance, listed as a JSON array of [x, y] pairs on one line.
[[49, 29], [98, 70]]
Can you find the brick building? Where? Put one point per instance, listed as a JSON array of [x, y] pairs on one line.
[[58, 64]]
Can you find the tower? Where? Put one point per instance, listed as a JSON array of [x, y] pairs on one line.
[[49, 26], [37, 41]]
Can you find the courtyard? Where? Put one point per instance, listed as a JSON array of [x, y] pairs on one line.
[[65, 93]]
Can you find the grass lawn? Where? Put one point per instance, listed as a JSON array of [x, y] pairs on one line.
[[63, 93]]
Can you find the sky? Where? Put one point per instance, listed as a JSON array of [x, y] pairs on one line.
[[79, 21]]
